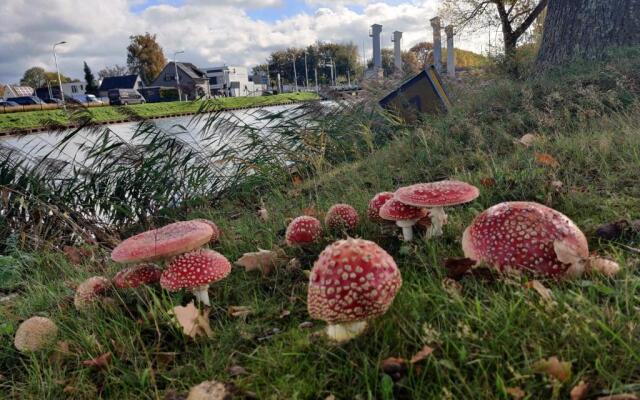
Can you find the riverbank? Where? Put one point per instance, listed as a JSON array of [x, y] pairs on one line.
[[36, 121]]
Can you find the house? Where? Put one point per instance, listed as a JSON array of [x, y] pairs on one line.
[[194, 82], [120, 82], [231, 82], [52, 90]]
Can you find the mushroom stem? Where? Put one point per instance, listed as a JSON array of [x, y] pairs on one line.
[[438, 219], [603, 266], [407, 228], [345, 331], [202, 294]]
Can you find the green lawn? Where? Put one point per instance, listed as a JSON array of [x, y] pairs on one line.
[[487, 335], [32, 119]]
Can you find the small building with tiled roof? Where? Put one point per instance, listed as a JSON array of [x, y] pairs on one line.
[[194, 82], [120, 82]]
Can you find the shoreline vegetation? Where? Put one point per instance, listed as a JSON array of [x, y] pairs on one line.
[[42, 120], [569, 140]]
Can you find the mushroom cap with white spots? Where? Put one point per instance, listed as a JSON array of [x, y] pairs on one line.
[[35, 334], [373, 210], [303, 230], [352, 280], [521, 236], [90, 291], [341, 217], [216, 231], [394, 210], [437, 194], [133, 277], [165, 242], [195, 269]]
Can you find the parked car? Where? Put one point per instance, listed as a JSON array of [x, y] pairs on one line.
[[84, 99], [26, 100], [53, 101], [8, 104], [123, 97]]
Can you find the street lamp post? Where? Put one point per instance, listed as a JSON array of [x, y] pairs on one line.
[[306, 71], [55, 58], [175, 64], [295, 74]]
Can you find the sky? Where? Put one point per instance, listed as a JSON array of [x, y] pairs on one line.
[[211, 32]]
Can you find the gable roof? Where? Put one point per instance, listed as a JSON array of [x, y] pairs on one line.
[[193, 71], [118, 82]]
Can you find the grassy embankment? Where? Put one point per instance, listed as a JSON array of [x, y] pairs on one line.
[[486, 336], [33, 119]]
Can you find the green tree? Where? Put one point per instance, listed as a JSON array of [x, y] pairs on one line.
[[145, 57], [92, 86], [37, 77]]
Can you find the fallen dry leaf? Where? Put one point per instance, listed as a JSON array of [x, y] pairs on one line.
[[458, 267], [452, 287], [263, 214], [542, 290], [209, 390], [310, 212], [396, 368], [263, 260], [421, 355], [546, 159], [557, 185], [236, 370], [579, 391], [164, 359], [99, 362], [516, 392], [527, 139], [193, 322], [239, 311], [621, 396], [284, 313], [552, 366], [296, 180], [488, 182]]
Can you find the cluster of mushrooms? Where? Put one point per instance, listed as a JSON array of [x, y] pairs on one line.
[[353, 280]]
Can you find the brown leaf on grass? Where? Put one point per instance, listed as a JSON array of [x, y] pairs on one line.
[[310, 212], [99, 362], [236, 370], [542, 290], [209, 390], [396, 368], [488, 182], [557, 185], [552, 366], [546, 160], [458, 267], [452, 287], [263, 214], [193, 322], [421, 355], [164, 358], [264, 261], [76, 255], [527, 139], [579, 391], [516, 392], [239, 311], [296, 180], [621, 396], [284, 313], [60, 353]]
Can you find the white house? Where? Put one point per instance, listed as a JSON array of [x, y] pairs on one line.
[[231, 81]]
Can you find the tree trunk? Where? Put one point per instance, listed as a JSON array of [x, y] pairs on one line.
[[587, 29]]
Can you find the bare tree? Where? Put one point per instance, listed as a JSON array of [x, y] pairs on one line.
[[116, 70], [515, 17]]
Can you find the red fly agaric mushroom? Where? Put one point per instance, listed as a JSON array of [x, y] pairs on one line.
[[90, 291], [532, 237], [195, 271], [435, 196], [216, 231], [165, 242], [35, 334], [341, 217], [373, 211], [133, 277], [352, 281], [303, 230], [405, 216]]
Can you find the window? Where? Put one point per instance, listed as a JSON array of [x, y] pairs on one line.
[[214, 80], [169, 78], [74, 89]]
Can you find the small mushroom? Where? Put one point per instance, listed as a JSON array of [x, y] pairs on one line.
[[90, 291], [341, 218], [373, 211], [163, 243], [35, 334], [435, 196], [195, 271], [303, 230], [216, 231], [352, 281], [404, 215], [133, 277], [527, 236]]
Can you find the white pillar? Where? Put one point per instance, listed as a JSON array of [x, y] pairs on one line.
[[437, 43], [376, 30], [451, 52], [397, 51]]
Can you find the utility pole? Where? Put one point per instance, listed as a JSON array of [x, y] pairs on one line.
[[295, 74], [175, 64], [316, 73], [55, 58], [306, 71]]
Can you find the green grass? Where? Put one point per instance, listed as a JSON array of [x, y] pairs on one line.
[[485, 340], [33, 119]]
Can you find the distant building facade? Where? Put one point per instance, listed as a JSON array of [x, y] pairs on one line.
[[194, 82], [232, 81], [120, 82], [16, 91]]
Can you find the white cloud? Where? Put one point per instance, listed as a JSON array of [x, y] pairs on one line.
[[210, 32]]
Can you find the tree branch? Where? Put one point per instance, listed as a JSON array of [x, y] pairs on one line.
[[532, 17]]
